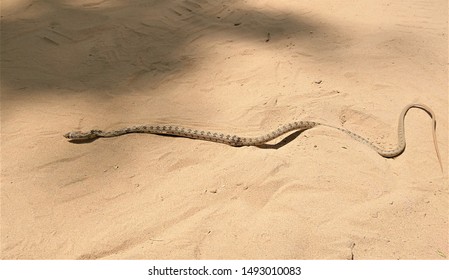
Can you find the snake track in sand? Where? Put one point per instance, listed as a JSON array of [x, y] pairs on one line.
[[237, 141]]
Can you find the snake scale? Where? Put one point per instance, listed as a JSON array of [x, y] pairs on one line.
[[238, 141]]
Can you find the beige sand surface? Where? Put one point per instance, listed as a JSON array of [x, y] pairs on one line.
[[241, 67]]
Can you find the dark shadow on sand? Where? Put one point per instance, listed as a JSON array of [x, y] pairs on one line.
[[77, 48], [286, 140]]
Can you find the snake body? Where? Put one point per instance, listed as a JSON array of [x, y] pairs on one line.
[[238, 141]]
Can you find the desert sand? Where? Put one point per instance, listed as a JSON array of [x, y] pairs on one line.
[[239, 67]]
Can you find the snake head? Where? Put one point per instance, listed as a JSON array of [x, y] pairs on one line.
[[79, 136], [74, 135], [68, 135]]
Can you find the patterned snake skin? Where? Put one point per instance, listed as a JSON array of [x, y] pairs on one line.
[[237, 141]]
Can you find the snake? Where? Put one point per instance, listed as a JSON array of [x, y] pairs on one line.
[[238, 141]]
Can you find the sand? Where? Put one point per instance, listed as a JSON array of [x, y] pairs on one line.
[[241, 67]]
